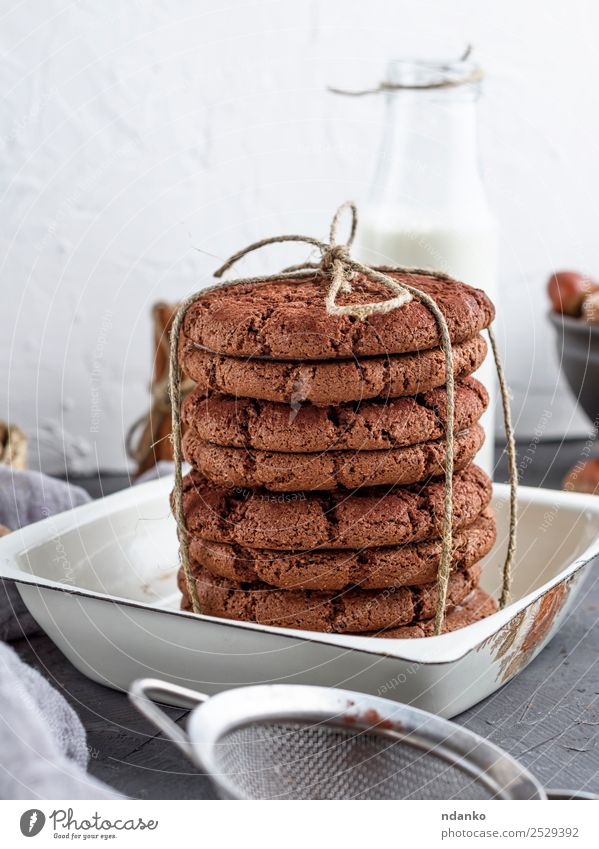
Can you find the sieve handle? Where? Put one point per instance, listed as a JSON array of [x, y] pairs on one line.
[[145, 692]]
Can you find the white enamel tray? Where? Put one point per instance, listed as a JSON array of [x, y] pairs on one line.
[[100, 580]]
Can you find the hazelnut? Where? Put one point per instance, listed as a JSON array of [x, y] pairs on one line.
[[568, 289], [590, 308], [583, 477]]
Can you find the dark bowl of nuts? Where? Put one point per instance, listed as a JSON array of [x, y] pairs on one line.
[[575, 316]]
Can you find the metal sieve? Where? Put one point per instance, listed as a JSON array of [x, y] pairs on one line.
[[304, 742]]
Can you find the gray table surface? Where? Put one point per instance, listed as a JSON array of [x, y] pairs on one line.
[[548, 716]]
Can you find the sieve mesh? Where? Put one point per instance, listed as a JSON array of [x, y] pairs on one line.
[[320, 761]]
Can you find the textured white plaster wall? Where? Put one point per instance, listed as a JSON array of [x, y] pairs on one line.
[[138, 139]]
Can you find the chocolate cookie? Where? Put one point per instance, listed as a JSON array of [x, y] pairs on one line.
[[280, 472], [372, 568], [298, 520], [476, 606], [346, 611], [329, 381], [288, 319], [369, 426]]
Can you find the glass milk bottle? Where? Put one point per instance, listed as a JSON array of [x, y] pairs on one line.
[[427, 205]]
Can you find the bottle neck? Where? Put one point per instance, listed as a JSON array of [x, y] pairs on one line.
[[429, 153]]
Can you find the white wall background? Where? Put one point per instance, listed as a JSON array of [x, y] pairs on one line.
[[137, 139]]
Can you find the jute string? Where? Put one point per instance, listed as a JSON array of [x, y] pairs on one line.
[[338, 268], [160, 406], [448, 79]]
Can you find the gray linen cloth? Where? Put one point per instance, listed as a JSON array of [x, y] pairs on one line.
[[27, 497], [43, 751]]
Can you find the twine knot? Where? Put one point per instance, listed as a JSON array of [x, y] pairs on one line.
[[334, 263], [334, 253]]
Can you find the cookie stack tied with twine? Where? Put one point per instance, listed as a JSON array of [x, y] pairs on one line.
[[331, 436]]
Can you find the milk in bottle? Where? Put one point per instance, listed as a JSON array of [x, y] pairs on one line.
[[427, 205]]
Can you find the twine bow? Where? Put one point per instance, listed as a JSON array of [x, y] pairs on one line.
[[339, 268]]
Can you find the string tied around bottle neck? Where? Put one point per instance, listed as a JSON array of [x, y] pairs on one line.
[[441, 75]]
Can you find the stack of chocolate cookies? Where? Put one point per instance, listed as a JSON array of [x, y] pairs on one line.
[[317, 446]]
